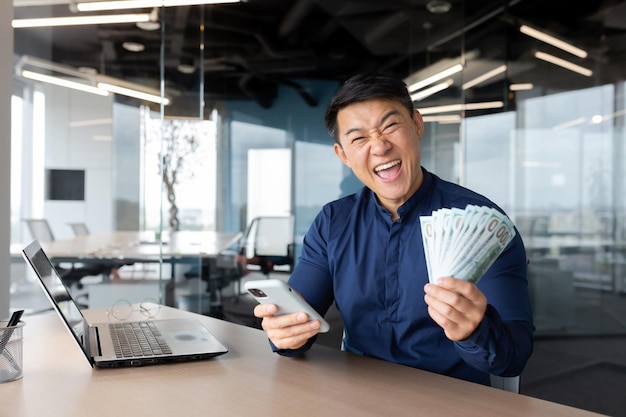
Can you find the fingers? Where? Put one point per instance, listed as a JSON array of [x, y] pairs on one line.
[[457, 306], [286, 331], [265, 310], [447, 309], [459, 286]]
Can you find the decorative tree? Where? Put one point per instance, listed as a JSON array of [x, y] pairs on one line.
[[179, 142]]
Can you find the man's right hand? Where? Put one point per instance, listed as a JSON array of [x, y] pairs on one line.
[[287, 331]]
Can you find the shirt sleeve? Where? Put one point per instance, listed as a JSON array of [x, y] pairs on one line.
[[497, 347], [503, 342]]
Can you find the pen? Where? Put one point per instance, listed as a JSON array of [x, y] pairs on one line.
[[13, 321], [15, 318]]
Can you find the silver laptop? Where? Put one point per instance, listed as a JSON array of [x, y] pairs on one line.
[[159, 341]]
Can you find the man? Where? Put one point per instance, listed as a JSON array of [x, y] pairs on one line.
[[365, 253]]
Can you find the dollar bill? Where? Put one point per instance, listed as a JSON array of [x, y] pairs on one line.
[[497, 235], [464, 243], [469, 237], [426, 223]]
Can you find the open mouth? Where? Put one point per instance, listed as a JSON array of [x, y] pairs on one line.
[[388, 165], [389, 170]]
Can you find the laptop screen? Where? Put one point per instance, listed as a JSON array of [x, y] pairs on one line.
[[57, 292]]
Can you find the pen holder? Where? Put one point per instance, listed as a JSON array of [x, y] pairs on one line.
[[11, 353]]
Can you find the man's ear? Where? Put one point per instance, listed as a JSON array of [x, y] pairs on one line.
[[341, 154], [419, 123]]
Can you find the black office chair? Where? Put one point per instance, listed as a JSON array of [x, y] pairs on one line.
[[81, 229], [267, 243], [71, 276], [218, 274]]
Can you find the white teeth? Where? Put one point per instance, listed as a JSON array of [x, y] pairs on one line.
[[386, 166]]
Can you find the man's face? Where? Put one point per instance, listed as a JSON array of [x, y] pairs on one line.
[[380, 142]]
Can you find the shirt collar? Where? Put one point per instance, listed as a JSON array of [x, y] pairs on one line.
[[420, 195], [411, 204]]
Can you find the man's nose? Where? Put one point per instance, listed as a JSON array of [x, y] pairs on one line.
[[380, 143]]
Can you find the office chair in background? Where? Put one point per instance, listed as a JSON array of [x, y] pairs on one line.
[[79, 229], [507, 383], [40, 230], [269, 242]]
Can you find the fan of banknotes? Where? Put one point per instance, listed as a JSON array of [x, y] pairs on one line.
[[464, 243]]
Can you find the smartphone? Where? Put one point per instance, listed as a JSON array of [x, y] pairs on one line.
[[275, 291]]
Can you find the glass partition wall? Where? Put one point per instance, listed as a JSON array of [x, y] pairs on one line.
[[111, 132], [534, 125], [551, 157]]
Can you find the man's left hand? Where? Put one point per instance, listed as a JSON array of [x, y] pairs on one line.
[[456, 305]]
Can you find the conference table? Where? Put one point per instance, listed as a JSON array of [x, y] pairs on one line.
[[141, 246], [249, 380], [196, 248]]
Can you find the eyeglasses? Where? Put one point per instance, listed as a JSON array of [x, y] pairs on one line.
[[123, 309]]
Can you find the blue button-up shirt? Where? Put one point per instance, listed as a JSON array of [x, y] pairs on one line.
[[375, 271]]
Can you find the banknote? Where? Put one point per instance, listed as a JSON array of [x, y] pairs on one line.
[[464, 243], [426, 223]]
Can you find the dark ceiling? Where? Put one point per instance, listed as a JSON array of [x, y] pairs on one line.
[[254, 47]]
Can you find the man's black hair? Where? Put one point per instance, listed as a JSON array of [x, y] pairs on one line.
[[363, 87]]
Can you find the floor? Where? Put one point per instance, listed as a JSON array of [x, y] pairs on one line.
[[587, 372]]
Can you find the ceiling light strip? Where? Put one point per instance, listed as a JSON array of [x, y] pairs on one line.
[[104, 84], [436, 77], [461, 107], [452, 118], [521, 86], [61, 82], [80, 20], [484, 77], [571, 123], [564, 64], [420, 95], [138, 4], [544, 37], [484, 105], [133, 93], [91, 122]]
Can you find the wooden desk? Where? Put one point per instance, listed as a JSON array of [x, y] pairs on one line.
[[250, 380]]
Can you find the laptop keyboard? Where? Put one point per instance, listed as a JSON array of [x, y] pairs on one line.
[[138, 339]]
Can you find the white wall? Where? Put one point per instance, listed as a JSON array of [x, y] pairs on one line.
[[269, 175], [79, 136], [6, 90]]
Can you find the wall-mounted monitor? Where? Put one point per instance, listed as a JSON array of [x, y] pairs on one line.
[[65, 184]]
